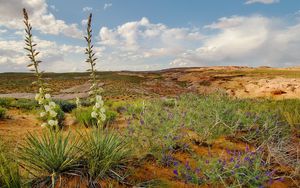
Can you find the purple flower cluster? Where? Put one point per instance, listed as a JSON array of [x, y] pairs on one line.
[[242, 167]]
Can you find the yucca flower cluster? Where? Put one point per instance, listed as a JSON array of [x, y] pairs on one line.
[[99, 110], [78, 102], [95, 91], [49, 108]]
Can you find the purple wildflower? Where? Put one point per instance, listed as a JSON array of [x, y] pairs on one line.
[[142, 122], [175, 172]]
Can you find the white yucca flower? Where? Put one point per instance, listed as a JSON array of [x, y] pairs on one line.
[[53, 113], [94, 114], [47, 108], [42, 114], [53, 122], [97, 105], [52, 104], [47, 96], [37, 97], [78, 103]]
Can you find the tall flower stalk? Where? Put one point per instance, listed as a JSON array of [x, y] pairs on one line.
[[95, 91], [49, 108]]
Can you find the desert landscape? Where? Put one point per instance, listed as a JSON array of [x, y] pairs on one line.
[[232, 98], [147, 104]]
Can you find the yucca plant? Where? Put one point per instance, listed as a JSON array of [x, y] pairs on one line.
[[50, 156], [49, 108], [9, 170], [105, 153], [95, 91], [9, 173]]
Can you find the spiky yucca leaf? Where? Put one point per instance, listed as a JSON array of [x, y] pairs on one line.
[[9, 170], [105, 152], [50, 156]]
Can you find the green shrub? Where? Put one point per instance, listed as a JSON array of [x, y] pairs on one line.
[[83, 116], [241, 170], [66, 106], [25, 104], [5, 102], [2, 113], [110, 117], [105, 152], [49, 156]]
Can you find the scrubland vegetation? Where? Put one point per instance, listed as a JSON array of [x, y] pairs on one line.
[[190, 140]]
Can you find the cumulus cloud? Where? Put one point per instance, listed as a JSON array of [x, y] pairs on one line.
[[262, 1], [251, 41], [42, 19], [12, 54], [145, 39], [107, 5]]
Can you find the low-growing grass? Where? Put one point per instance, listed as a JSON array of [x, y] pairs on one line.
[[164, 125]]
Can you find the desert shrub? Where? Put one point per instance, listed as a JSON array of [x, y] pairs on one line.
[[135, 108], [105, 153], [2, 113], [169, 102], [290, 110], [86, 102], [84, 117], [118, 106], [9, 170], [157, 128], [49, 156], [66, 106], [110, 116], [5, 102], [24, 104], [241, 170]]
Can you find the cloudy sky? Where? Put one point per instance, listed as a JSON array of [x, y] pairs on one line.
[[153, 34]]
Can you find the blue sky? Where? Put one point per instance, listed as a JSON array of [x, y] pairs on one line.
[[156, 34]]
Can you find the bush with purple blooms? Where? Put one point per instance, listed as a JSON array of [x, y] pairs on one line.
[[157, 130], [242, 170]]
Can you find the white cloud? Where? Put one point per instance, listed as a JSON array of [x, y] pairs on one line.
[[262, 1], [41, 18], [251, 41], [107, 5], [87, 9], [2, 31], [147, 39], [13, 56]]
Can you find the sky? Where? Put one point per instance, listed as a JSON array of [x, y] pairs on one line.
[[152, 34]]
